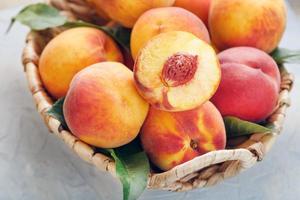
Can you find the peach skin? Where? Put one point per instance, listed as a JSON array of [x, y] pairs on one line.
[[170, 139], [126, 12], [198, 7], [249, 86], [102, 107], [177, 71], [258, 24], [161, 20], [71, 51]]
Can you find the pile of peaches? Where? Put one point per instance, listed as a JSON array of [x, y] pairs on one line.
[[195, 61]]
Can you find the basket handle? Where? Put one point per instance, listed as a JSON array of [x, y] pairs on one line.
[[178, 178]]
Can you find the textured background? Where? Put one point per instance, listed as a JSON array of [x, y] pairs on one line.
[[35, 165]]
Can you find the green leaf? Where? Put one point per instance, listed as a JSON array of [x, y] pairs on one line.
[[121, 35], [132, 167], [56, 111], [281, 56], [39, 16], [236, 127]]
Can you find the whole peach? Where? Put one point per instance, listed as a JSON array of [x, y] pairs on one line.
[[249, 86], [161, 20], [126, 12], [259, 24], [198, 7], [71, 51], [170, 139], [102, 107]]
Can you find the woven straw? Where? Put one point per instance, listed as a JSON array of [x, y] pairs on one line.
[[206, 170]]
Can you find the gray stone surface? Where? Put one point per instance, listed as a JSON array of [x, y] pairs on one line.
[[35, 165]]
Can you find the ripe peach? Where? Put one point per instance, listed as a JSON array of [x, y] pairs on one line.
[[249, 86], [102, 107], [259, 24], [198, 7], [177, 71], [126, 12], [160, 20], [72, 51], [170, 139]]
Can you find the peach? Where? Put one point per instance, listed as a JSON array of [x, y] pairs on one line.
[[126, 12], [249, 86], [160, 20], [177, 71], [259, 24], [198, 7], [72, 51], [102, 107], [172, 138]]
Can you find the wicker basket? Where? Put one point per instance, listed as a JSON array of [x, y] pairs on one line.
[[202, 171]]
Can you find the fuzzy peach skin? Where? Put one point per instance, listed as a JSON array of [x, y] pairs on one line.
[[102, 107], [170, 139], [177, 71], [249, 86], [126, 12], [71, 51], [198, 7], [259, 24], [160, 20]]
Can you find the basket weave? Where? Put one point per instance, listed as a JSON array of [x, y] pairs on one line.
[[206, 170]]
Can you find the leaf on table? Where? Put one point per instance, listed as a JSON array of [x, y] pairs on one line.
[[56, 111], [39, 16], [236, 127], [281, 56], [132, 167]]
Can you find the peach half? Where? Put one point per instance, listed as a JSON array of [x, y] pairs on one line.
[[102, 107], [177, 71], [172, 138]]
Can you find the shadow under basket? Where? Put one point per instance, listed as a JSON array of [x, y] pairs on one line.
[[206, 170]]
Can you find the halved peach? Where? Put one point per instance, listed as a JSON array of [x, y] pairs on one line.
[[177, 71]]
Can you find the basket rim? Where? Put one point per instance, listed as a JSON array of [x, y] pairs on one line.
[[205, 170]]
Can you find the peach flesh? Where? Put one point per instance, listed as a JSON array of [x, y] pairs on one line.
[[176, 71]]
